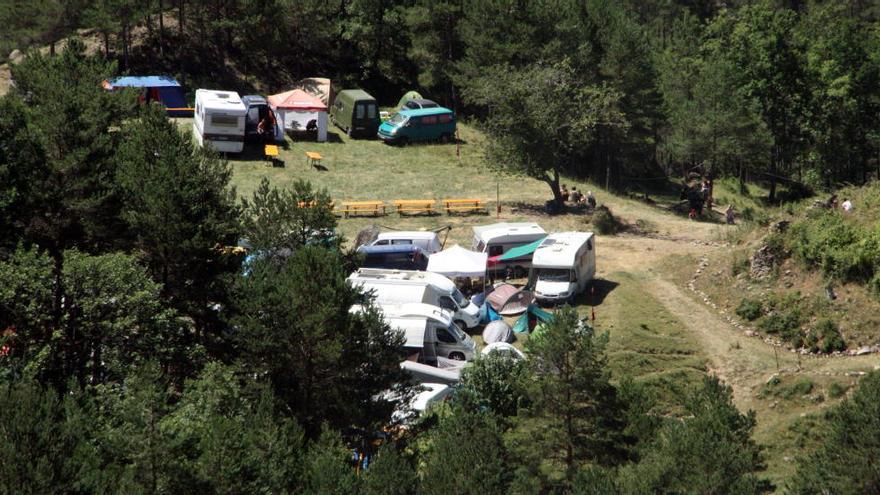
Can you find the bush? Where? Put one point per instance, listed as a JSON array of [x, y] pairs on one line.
[[829, 336], [786, 325], [739, 265], [750, 309], [799, 388], [604, 221], [836, 390], [842, 251]]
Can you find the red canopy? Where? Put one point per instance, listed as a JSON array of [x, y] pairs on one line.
[[296, 99]]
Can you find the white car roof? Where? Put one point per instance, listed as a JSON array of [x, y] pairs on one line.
[[486, 232], [228, 101], [560, 249], [382, 274], [414, 234]]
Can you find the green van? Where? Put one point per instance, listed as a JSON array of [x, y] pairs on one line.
[[424, 124], [355, 112]]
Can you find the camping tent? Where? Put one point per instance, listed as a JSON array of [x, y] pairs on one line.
[[509, 300], [536, 314], [296, 110], [318, 87], [458, 262], [410, 95], [497, 331], [517, 252], [161, 89]]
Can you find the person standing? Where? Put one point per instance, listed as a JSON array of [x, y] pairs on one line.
[[728, 214], [591, 200]]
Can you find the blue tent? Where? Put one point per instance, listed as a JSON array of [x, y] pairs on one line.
[[162, 89]]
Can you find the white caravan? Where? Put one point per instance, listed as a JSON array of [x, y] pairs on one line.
[[219, 120], [497, 238], [431, 330], [410, 286], [427, 241], [562, 266]]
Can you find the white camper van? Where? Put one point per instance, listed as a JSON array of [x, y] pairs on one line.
[[427, 241], [410, 286], [432, 330], [498, 238], [219, 120], [562, 266]]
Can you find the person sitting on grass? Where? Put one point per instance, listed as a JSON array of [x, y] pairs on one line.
[[564, 193], [591, 200], [576, 196]]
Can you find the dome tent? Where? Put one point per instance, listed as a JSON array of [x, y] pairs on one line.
[[410, 95], [497, 331]]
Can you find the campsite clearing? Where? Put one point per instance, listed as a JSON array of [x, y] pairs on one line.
[[661, 332]]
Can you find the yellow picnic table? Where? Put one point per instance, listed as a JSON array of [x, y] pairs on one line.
[[362, 207], [270, 152], [313, 158], [464, 205], [414, 206]]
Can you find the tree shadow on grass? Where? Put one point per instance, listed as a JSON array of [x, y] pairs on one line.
[[596, 292]]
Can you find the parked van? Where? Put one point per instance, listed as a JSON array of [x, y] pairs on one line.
[[497, 238], [405, 286], [562, 266], [355, 112], [432, 330], [394, 257], [257, 111], [425, 124], [218, 120], [429, 242]]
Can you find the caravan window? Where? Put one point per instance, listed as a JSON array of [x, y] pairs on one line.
[[371, 111], [359, 111], [496, 250], [444, 118], [221, 120], [401, 241], [429, 120], [447, 303], [445, 337]]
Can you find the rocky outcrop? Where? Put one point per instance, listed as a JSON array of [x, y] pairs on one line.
[[762, 263]]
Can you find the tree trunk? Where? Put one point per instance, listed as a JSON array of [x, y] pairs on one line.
[[106, 44], [181, 16], [161, 29], [553, 182], [148, 17]]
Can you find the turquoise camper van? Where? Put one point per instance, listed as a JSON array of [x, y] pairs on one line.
[[424, 124]]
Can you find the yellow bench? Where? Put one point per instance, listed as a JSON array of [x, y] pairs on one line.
[[362, 207], [414, 206], [270, 153], [313, 158], [464, 205]]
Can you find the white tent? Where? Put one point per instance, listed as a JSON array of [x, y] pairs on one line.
[[458, 262], [295, 109]]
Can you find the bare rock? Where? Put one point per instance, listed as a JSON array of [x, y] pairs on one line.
[[761, 263], [861, 351], [15, 56]]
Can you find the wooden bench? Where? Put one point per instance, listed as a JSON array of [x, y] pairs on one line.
[[362, 208], [464, 206], [414, 206], [313, 158]]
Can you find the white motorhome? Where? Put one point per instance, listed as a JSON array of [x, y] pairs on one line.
[[427, 241], [562, 266], [219, 120], [497, 238], [431, 330], [410, 286]]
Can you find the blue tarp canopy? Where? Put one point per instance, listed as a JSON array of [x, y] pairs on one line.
[[143, 82], [162, 89]]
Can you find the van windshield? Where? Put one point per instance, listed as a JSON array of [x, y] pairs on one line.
[[397, 119], [554, 274], [459, 298]]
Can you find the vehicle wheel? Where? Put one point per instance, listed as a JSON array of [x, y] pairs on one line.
[[456, 356], [403, 141]]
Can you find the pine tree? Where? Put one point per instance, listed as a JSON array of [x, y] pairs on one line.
[[389, 473]]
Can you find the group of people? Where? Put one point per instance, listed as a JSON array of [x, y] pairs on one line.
[[846, 206], [578, 197]]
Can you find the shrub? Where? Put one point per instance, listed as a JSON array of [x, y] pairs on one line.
[[836, 390], [829, 336], [604, 221], [801, 387], [740, 264], [749, 309], [786, 325], [842, 250]]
